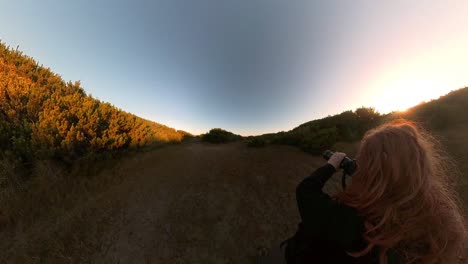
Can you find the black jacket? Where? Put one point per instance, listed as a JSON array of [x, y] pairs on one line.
[[328, 228]]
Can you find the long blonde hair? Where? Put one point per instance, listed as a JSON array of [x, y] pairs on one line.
[[403, 187]]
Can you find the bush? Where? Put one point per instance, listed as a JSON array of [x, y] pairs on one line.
[[256, 142], [318, 142], [218, 135]]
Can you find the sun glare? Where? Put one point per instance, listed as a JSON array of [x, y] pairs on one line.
[[418, 79], [399, 95], [410, 89]]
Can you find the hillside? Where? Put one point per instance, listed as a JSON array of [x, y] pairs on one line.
[[42, 116], [445, 112], [349, 126]]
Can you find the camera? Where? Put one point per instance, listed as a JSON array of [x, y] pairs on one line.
[[348, 165]]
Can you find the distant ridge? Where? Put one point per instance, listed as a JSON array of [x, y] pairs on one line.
[[349, 126]]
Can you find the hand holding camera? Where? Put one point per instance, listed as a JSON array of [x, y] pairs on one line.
[[336, 159], [340, 160]]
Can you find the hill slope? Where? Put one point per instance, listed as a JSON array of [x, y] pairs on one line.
[[349, 126], [42, 116]]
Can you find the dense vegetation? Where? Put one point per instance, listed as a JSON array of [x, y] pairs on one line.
[[218, 135], [44, 117], [350, 126], [317, 135]]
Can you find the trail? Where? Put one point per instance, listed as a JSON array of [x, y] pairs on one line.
[[202, 203], [188, 203]]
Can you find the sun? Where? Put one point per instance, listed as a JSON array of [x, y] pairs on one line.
[[421, 76], [398, 93]]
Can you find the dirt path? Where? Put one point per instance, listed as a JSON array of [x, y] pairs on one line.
[[188, 203], [201, 203]]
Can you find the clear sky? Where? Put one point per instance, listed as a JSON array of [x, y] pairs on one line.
[[248, 66]]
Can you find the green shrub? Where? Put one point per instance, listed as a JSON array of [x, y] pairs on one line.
[[256, 142], [319, 141], [218, 135]]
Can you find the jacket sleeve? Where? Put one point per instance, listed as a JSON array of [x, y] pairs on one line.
[[323, 218]]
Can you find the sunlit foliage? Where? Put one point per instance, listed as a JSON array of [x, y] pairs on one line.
[[42, 116]]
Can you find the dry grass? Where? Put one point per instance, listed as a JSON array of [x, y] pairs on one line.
[[196, 203], [189, 203]]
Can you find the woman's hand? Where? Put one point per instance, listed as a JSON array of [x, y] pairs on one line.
[[336, 159]]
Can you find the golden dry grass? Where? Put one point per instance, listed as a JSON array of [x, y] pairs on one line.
[[188, 203]]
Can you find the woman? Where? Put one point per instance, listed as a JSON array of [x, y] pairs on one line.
[[400, 207]]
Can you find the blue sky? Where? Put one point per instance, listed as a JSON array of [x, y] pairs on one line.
[[248, 66]]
